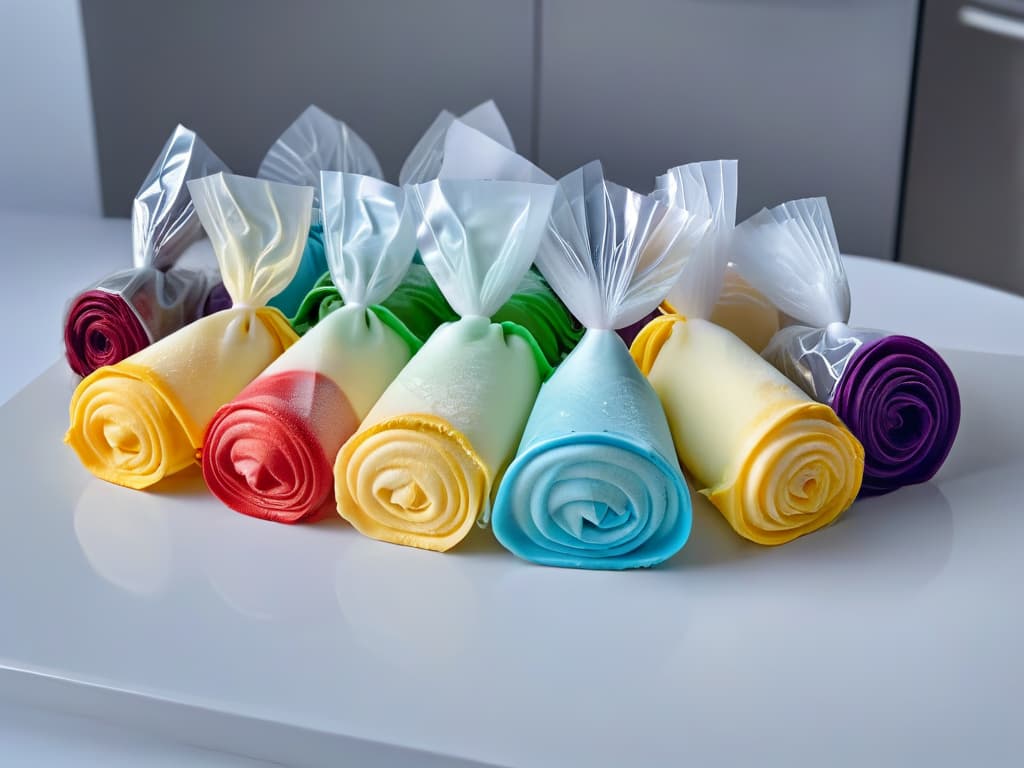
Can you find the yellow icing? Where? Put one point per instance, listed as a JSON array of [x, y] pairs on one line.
[[775, 463]]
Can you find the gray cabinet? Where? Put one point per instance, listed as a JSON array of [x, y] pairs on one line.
[[810, 95], [239, 71], [965, 182]]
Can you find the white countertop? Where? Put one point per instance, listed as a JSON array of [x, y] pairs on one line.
[[889, 638]]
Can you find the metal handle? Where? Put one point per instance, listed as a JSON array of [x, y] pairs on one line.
[[992, 22]]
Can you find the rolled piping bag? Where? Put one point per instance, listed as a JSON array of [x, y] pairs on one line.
[[132, 308], [138, 421], [421, 468], [737, 306], [596, 482], [270, 452], [315, 142], [775, 463], [895, 393]]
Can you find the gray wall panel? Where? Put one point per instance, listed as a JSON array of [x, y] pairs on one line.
[[965, 184], [810, 95], [239, 72]]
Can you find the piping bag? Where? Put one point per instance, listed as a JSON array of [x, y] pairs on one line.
[[132, 308], [895, 393], [421, 468], [775, 463], [270, 452], [138, 421], [596, 482], [738, 306], [315, 142]]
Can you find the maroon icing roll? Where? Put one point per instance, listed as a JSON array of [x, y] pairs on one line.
[[900, 399], [101, 329]]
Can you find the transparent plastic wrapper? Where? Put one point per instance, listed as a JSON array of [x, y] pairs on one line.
[[711, 188], [425, 158], [130, 309], [895, 393], [596, 482], [315, 142], [143, 419], [775, 463], [421, 468], [270, 452]]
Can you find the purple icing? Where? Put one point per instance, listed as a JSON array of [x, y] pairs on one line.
[[900, 399], [630, 331], [217, 300]]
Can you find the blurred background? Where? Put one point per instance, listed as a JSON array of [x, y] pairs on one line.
[[908, 115]]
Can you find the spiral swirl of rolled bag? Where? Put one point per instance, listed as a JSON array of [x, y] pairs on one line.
[[143, 419], [775, 463], [596, 482], [315, 142], [130, 309], [420, 470], [895, 393], [270, 452]]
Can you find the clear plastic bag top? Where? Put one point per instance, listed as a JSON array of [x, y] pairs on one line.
[[706, 190], [258, 229], [316, 142], [478, 238], [611, 254], [790, 254], [424, 161], [369, 235], [164, 221], [472, 154]]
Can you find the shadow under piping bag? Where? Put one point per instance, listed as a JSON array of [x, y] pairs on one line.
[[143, 419]]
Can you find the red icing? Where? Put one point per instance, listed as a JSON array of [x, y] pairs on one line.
[[270, 452]]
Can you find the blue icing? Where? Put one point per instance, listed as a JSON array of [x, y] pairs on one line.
[[595, 482], [312, 266]]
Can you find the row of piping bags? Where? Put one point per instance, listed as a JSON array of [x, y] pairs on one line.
[[132, 308], [894, 392], [142, 419], [773, 461], [271, 451]]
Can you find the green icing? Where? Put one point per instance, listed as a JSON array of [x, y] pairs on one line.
[[533, 312], [544, 367], [535, 307], [391, 321]]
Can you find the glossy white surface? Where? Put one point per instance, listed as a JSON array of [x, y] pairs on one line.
[[889, 638]]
